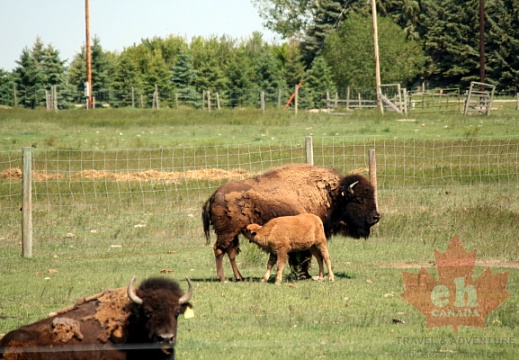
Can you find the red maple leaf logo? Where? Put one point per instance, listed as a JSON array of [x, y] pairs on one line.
[[455, 299]]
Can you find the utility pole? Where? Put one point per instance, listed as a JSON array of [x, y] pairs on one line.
[[88, 87], [377, 62]]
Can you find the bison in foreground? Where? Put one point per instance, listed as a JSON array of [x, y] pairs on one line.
[[114, 325], [345, 204], [285, 234]]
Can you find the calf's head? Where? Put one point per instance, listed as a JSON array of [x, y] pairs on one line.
[[158, 303], [251, 230]]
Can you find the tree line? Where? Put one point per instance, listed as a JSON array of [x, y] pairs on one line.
[[327, 46]]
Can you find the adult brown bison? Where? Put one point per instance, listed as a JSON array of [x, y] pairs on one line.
[[345, 204], [114, 325]]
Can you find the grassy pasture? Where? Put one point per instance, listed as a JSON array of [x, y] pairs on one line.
[[360, 315]]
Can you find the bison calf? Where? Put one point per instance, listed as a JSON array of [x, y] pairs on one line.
[[285, 234]]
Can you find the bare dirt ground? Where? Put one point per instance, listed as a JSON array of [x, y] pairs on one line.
[[149, 175]]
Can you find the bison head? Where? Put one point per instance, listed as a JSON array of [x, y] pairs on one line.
[[355, 210], [158, 303]]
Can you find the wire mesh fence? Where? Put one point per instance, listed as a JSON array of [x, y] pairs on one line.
[[89, 201]]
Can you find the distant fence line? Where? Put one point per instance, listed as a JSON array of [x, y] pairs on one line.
[[90, 198], [404, 100]]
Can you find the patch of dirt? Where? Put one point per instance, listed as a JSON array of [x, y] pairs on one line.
[[149, 175], [483, 263]]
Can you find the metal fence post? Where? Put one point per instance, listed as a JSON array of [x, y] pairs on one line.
[[27, 203]]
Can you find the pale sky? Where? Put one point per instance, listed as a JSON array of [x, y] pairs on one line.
[[119, 23]]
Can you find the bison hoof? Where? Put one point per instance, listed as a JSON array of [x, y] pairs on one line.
[[317, 278]]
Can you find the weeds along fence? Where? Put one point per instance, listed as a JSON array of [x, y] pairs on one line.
[[98, 201]]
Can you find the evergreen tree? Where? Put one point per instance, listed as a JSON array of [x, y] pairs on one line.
[[183, 77], [54, 70], [293, 64], [210, 76], [452, 41], [405, 13], [269, 77], [29, 79], [208, 61], [318, 81], [327, 16], [157, 74], [102, 70], [6, 88], [77, 76], [240, 72], [502, 44], [125, 79]]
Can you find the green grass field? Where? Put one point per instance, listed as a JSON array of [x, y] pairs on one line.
[[361, 315]]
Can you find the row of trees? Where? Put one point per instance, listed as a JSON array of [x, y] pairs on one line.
[[446, 31], [328, 47], [237, 69]]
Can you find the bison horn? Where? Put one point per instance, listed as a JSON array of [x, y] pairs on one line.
[[350, 188], [131, 292], [187, 296]]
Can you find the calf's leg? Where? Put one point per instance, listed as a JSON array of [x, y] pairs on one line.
[[318, 256], [323, 249], [270, 264], [280, 264]]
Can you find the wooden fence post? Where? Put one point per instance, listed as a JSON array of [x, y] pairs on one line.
[[309, 150], [295, 99], [26, 203]]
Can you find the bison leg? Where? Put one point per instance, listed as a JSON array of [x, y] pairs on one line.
[[272, 260], [231, 248], [218, 254], [232, 251], [282, 259], [300, 263]]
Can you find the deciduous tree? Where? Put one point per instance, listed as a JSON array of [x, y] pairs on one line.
[[350, 53]]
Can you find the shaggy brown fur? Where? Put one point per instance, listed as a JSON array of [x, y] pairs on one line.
[[285, 234], [346, 205], [65, 329]]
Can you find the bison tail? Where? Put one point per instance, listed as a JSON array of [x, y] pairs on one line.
[[206, 219]]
